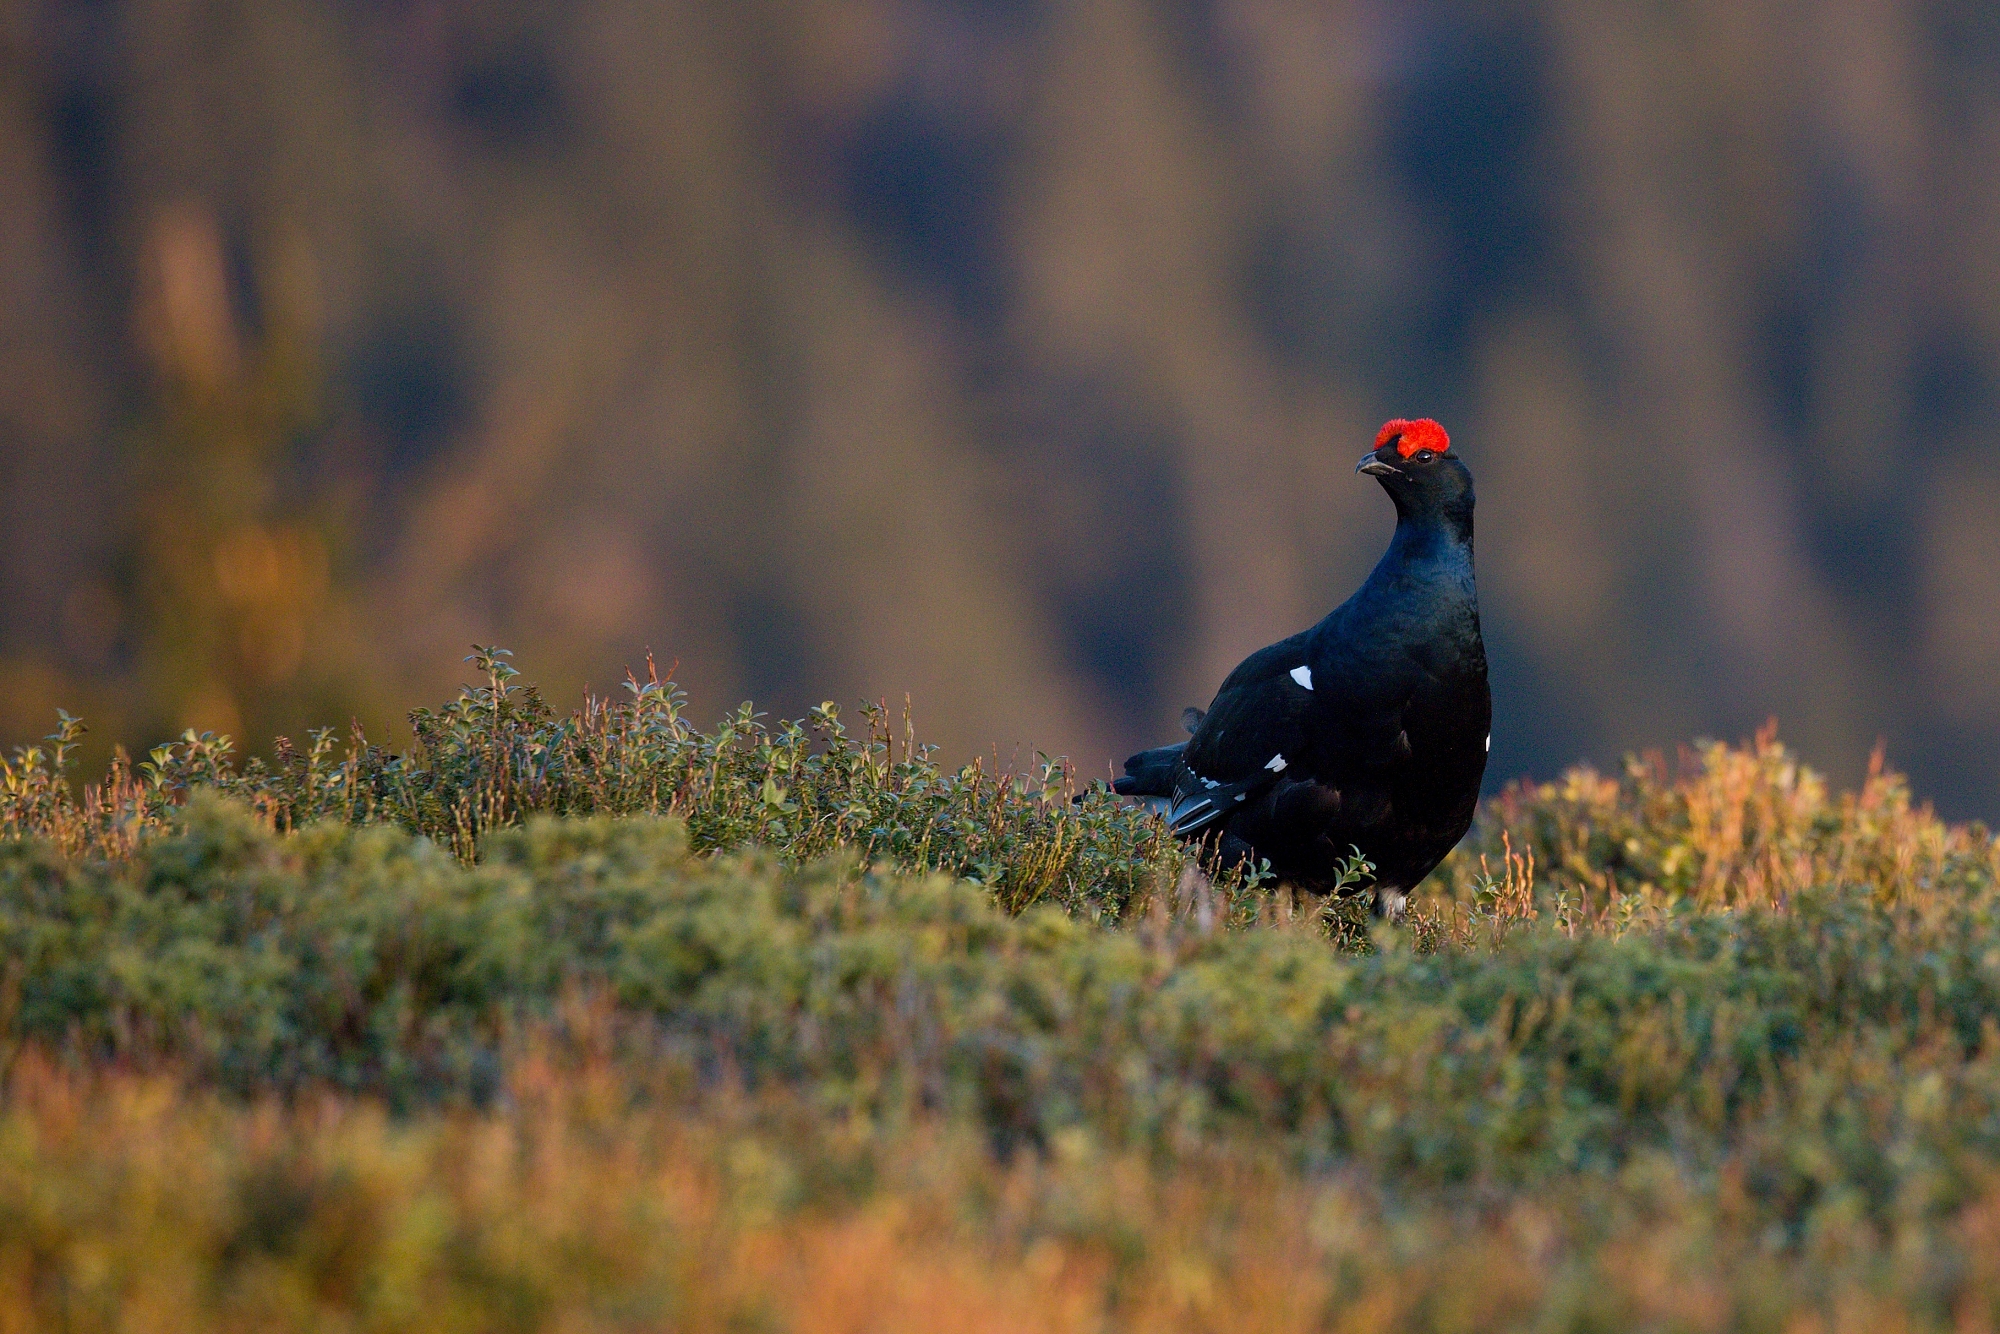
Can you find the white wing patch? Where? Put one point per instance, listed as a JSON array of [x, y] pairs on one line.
[[1304, 676], [1276, 764], [1489, 743]]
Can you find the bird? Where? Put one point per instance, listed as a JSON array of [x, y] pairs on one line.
[[1369, 731]]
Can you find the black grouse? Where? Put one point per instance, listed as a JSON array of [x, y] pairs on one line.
[[1368, 731]]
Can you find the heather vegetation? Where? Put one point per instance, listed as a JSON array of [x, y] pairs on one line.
[[607, 1021]]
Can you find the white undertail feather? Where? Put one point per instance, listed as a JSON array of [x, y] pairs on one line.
[[1186, 817]]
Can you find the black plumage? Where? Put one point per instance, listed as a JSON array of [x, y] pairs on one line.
[[1370, 730]]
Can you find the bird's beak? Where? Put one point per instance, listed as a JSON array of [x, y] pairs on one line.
[[1374, 467]]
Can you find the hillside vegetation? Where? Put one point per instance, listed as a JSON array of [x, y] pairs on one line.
[[608, 1022]]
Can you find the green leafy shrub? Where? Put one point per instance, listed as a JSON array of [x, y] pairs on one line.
[[370, 959], [498, 754]]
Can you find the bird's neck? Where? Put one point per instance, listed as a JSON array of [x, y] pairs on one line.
[[1426, 573], [1421, 590], [1441, 536]]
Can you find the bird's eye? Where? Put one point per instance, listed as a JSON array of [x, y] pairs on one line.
[[1426, 455]]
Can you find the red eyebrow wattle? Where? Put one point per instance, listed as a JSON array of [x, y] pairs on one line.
[[1413, 435]]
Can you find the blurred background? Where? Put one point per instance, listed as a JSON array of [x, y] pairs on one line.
[[1011, 353]]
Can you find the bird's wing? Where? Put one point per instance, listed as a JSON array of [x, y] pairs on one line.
[[1253, 732]]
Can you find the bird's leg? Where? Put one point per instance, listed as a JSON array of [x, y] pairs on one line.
[[1391, 904]]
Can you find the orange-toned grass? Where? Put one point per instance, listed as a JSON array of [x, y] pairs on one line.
[[133, 1202], [1726, 827]]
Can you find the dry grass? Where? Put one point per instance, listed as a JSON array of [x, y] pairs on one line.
[[135, 1203], [1724, 828]]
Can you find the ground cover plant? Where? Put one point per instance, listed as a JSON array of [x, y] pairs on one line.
[[605, 1021]]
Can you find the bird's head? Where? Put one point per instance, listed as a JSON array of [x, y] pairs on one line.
[[1414, 463]]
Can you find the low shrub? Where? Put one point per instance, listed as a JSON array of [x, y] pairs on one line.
[[498, 754], [370, 959], [761, 1026]]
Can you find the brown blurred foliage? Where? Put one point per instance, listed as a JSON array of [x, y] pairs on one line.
[[1013, 353]]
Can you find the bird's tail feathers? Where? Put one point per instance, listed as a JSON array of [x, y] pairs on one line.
[[1150, 773], [1199, 802]]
